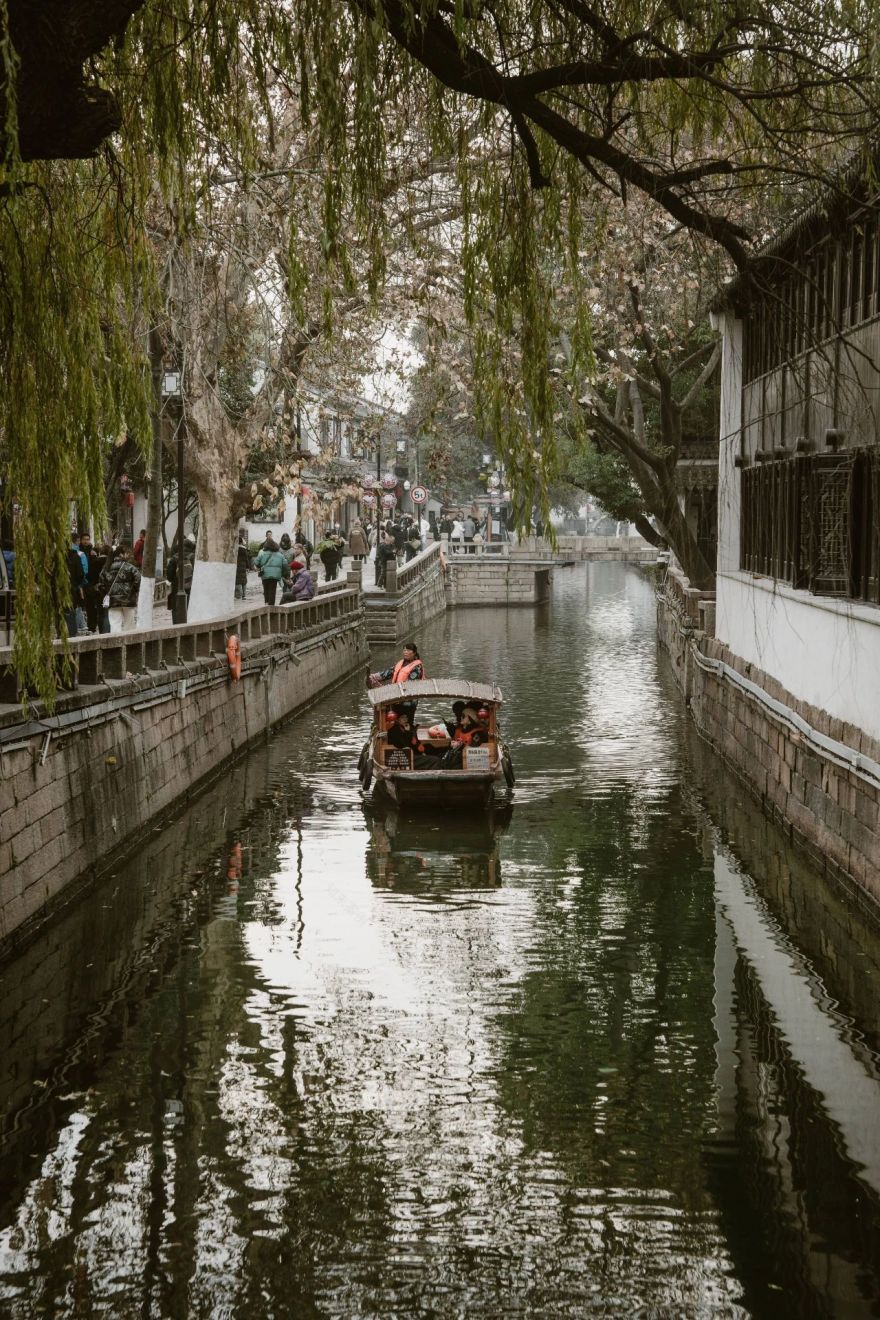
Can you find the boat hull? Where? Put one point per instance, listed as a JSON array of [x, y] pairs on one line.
[[429, 788]]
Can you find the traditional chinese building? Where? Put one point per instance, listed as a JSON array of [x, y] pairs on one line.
[[785, 680]]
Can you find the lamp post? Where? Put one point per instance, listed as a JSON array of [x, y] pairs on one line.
[[171, 390]]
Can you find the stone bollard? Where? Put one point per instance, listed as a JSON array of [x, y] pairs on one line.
[[354, 576], [391, 575]]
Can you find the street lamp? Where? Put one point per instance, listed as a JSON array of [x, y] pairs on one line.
[[171, 392]]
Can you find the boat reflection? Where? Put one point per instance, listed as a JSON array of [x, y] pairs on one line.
[[433, 852]]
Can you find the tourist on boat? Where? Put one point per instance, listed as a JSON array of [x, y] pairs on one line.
[[402, 734], [452, 725]]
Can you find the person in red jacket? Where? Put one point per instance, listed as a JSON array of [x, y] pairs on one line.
[[137, 550]]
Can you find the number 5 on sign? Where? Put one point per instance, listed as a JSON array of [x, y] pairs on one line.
[[419, 495]]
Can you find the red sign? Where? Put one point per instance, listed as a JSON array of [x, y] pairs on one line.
[[419, 495]]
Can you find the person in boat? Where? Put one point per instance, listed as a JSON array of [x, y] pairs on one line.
[[452, 725], [402, 733], [408, 668], [468, 732]]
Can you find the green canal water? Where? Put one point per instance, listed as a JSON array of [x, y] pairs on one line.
[[614, 1056]]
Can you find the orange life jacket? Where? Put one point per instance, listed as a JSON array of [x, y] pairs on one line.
[[466, 738], [402, 670]]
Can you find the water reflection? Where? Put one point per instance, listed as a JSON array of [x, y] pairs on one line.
[[430, 855], [607, 1056]]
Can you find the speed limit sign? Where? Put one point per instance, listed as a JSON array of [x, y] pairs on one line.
[[418, 495]]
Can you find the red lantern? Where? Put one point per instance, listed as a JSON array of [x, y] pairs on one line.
[[368, 481], [389, 481], [483, 714], [391, 717]]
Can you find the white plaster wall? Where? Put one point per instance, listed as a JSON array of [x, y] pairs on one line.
[[826, 652], [729, 482]]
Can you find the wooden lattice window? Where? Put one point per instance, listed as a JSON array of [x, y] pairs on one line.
[[814, 521], [832, 512]]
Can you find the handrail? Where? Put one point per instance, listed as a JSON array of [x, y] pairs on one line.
[[413, 570], [113, 655]]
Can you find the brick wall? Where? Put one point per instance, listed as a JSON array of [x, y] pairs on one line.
[[830, 811], [70, 806]]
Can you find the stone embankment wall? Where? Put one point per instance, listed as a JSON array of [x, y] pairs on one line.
[[816, 775], [486, 580], [79, 786]]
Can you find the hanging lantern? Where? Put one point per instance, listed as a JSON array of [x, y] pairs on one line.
[[389, 481], [389, 501], [494, 481], [483, 714], [506, 497], [369, 500], [368, 481]]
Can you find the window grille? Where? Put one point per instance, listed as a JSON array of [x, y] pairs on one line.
[[814, 521]]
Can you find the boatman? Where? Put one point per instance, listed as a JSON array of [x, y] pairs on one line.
[[407, 669]]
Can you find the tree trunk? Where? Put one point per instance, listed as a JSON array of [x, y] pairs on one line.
[[649, 533], [213, 584], [147, 590], [696, 568]]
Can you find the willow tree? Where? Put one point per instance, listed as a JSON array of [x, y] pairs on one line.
[[569, 101]]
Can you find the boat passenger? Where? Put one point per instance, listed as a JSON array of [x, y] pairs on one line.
[[469, 732], [402, 734]]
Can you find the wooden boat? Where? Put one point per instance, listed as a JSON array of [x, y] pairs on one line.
[[410, 780]]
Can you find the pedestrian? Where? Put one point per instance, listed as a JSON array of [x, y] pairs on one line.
[[469, 527], [385, 552], [457, 533], [243, 565], [398, 531], [300, 538], [301, 586], [272, 568], [433, 526], [118, 587], [9, 561], [137, 552], [93, 572], [76, 568], [188, 566], [413, 543], [329, 554], [358, 544]]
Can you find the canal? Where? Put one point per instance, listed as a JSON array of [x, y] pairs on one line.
[[618, 1055]]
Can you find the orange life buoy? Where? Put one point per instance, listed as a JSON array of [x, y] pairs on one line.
[[233, 655]]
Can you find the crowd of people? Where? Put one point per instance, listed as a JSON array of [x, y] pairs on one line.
[[105, 577], [105, 581]]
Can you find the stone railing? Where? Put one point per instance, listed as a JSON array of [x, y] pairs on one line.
[[403, 577], [116, 655], [693, 607]]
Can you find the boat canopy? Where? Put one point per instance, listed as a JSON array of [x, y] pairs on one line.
[[454, 688]]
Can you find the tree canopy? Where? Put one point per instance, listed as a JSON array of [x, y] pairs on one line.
[[543, 121]]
